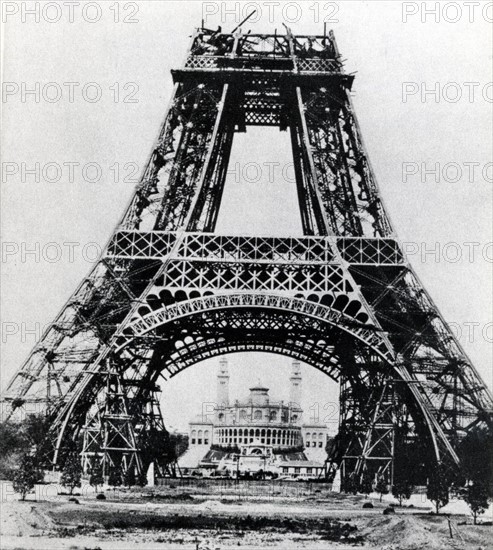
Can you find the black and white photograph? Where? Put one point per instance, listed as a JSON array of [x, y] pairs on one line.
[[246, 275]]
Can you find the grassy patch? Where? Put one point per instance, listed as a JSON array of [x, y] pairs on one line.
[[330, 530]]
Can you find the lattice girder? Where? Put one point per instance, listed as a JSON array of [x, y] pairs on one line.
[[156, 245], [428, 348], [367, 423]]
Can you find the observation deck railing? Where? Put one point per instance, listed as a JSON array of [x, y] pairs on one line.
[[301, 54]]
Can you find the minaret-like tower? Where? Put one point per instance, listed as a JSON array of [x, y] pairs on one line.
[[223, 383], [295, 388]]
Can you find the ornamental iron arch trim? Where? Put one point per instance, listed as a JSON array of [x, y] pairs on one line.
[[276, 304]]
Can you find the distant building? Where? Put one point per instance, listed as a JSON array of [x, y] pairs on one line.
[[256, 434]]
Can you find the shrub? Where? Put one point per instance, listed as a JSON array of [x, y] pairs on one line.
[[438, 487], [26, 476], [115, 477], [476, 496], [96, 478], [72, 471], [382, 486]]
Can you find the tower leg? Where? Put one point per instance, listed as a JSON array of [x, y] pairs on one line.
[[108, 435], [364, 447], [152, 437]]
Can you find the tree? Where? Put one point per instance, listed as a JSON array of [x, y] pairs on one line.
[[408, 457], [142, 479], [179, 442], [115, 476], [129, 477], [96, 477], [403, 484], [12, 448], [10, 438], [382, 486], [438, 487], [476, 454], [72, 471], [402, 489], [350, 484], [366, 485], [476, 496], [36, 428], [26, 476], [20, 438]]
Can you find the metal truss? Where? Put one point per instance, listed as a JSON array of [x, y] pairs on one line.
[[168, 292], [367, 424], [109, 437], [154, 245], [427, 347]]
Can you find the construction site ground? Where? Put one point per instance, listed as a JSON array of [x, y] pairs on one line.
[[201, 517]]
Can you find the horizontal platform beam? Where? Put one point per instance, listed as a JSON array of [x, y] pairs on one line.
[[283, 75], [156, 245]]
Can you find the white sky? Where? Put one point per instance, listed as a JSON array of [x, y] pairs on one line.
[[383, 50]]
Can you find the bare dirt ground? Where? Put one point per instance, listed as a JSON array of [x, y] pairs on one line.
[[179, 518]]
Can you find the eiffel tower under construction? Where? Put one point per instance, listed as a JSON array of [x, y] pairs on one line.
[[169, 292]]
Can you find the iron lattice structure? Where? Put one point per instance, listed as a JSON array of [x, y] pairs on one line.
[[169, 292]]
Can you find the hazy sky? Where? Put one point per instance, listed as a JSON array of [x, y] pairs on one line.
[[134, 59]]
